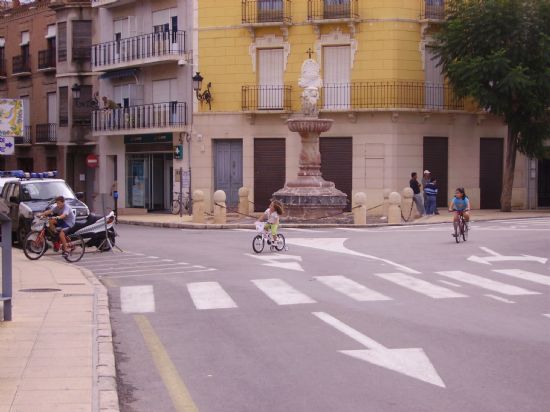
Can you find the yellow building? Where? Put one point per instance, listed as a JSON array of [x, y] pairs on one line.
[[393, 112]]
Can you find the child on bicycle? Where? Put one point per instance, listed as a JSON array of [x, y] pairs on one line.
[[271, 217], [459, 204]]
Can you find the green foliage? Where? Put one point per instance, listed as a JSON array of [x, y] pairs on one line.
[[498, 52]]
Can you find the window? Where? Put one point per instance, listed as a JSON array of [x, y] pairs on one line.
[[82, 114], [270, 79], [82, 40], [434, 87], [2, 56], [25, 56], [52, 107], [336, 77], [62, 42], [64, 106]]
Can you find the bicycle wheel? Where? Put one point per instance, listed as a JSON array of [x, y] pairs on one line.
[[465, 231], [34, 245], [280, 242], [258, 243], [77, 247], [175, 207]]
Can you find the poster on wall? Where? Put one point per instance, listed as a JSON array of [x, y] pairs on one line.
[[11, 117]]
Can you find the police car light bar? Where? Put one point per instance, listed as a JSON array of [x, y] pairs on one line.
[[20, 174]]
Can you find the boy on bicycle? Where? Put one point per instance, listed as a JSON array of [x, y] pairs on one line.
[[271, 217], [459, 204], [63, 219]]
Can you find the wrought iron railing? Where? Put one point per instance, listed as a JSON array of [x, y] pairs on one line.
[[46, 59], [46, 133], [432, 9], [266, 11], [98, 3], [139, 47], [262, 98], [27, 136], [332, 9], [390, 95], [82, 53], [21, 64], [146, 116]]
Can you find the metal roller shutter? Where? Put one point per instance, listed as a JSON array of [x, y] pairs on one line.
[[491, 155], [436, 160], [269, 170], [336, 163]]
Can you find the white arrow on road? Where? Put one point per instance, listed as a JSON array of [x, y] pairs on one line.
[[412, 362], [497, 257], [277, 261]]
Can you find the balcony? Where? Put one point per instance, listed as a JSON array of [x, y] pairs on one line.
[[147, 118], [3, 74], [21, 65], [26, 139], [152, 48], [266, 12], [46, 133], [266, 99], [110, 3], [331, 11], [46, 60], [432, 10], [400, 95]]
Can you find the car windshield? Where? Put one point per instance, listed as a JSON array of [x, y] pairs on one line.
[[45, 191]]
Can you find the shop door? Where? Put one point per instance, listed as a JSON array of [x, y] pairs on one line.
[[146, 181], [228, 169], [269, 170], [436, 160], [336, 163], [491, 153], [544, 183]]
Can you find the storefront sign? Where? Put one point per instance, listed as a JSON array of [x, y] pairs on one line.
[[148, 138]]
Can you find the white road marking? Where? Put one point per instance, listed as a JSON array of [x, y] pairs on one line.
[[281, 292], [137, 299], [351, 288], [525, 275], [497, 257], [140, 275], [337, 245], [546, 314], [456, 285], [353, 229], [297, 229], [209, 295], [421, 286], [243, 230], [144, 268], [118, 262], [288, 262], [499, 298], [167, 260], [485, 283], [411, 362]]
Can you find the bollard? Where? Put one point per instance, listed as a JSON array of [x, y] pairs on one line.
[[244, 205], [394, 210], [407, 203], [360, 209], [6, 291], [198, 206], [220, 211], [386, 202]]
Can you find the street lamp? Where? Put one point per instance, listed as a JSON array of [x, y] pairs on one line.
[[93, 103], [205, 96]]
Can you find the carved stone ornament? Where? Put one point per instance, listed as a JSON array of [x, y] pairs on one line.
[[310, 75]]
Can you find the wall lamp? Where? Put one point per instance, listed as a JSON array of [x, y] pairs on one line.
[[93, 103], [205, 96]]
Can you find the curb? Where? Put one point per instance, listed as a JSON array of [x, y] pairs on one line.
[[105, 396]]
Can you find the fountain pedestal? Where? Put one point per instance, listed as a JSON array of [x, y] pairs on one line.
[[310, 196]]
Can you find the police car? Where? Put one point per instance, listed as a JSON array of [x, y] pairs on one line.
[[27, 194]]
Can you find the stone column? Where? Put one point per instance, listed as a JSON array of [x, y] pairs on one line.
[[407, 203], [386, 202], [220, 211], [360, 209], [244, 205], [394, 210], [198, 206]]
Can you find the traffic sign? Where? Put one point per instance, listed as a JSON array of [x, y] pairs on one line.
[[7, 145], [92, 161]]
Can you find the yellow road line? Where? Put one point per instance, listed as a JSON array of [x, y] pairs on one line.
[[172, 380]]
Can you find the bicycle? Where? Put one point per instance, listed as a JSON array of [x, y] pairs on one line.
[[41, 238], [264, 236], [462, 228], [177, 204]]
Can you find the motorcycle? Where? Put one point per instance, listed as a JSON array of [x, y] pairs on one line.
[[93, 231]]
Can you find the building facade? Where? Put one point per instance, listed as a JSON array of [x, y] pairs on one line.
[[393, 112], [141, 54]]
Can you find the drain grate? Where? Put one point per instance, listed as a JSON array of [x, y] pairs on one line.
[[40, 290]]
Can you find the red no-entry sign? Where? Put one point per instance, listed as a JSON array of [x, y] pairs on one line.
[[92, 160]]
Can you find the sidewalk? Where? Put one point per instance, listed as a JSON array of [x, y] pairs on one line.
[[57, 352], [235, 221]]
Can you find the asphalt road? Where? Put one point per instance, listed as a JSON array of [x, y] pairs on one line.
[[389, 319]]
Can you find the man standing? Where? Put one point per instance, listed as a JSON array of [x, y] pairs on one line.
[[417, 198], [426, 178]]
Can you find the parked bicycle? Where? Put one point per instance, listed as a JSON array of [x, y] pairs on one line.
[[185, 202], [41, 238], [461, 231], [264, 236]]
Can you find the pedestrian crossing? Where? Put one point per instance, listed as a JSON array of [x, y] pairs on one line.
[[210, 295]]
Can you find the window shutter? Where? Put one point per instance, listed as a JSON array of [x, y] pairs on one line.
[[82, 39], [82, 115], [62, 42], [51, 31], [63, 106]]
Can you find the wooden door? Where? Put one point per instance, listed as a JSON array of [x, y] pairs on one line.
[[228, 169], [491, 155], [436, 160], [336, 163], [269, 170], [544, 183]]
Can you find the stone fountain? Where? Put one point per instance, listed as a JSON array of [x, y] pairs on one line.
[[310, 196]]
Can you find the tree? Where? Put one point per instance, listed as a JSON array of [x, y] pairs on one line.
[[498, 52]]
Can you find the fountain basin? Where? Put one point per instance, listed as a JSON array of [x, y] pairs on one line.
[[309, 125]]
